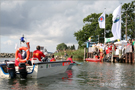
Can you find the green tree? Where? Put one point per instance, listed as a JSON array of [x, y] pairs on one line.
[[91, 28], [73, 47], [61, 46], [68, 47], [128, 13]]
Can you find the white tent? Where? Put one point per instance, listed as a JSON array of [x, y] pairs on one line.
[[122, 43]]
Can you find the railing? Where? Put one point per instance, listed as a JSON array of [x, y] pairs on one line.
[[92, 49], [128, 49], [124, 50]]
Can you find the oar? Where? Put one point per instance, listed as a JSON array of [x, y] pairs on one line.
[[78, 64]]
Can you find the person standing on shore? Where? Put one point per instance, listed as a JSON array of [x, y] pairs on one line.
[[133, 42]]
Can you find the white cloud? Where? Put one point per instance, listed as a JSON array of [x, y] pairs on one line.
[[9, 5], [47, 23], [8, 42]]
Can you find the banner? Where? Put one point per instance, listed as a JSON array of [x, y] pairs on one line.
[[109, 39], [116, 27]]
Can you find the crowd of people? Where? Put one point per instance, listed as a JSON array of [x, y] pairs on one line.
[[107, 48]]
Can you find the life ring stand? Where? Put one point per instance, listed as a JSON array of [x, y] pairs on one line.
[[25, 49]]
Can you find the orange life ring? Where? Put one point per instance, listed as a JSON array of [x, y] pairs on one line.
[[28, 54]]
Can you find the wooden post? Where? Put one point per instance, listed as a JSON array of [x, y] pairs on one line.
[[84, 53], [113, 51], [87, 54], [133, 57], [120, 53], [126, 58], [130, 57]]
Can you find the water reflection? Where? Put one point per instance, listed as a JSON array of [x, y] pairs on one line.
[[107, 75], [19, 84], [87, 76], [68, 75]]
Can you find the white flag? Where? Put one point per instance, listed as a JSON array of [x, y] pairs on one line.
[[116, 27], [101, 20]]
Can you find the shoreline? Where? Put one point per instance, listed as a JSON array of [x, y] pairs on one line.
[[12, 55], [7, 55]]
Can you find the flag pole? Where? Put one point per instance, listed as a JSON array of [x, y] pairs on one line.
[[120, 18], [104, 31], [104, 35]]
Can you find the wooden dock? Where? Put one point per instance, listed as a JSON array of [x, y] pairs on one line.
[[129, 58], [126, 57]]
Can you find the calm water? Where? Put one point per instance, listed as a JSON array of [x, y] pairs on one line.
[[87, 76]]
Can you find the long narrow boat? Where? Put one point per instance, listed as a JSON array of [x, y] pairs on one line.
[[92, 60], [37, 70]]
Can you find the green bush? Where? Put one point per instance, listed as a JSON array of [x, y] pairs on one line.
[[77, 54]]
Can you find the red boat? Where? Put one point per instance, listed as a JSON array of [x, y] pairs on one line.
[[93, 60]]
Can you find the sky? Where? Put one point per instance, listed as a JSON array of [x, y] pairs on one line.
[[47, 22]]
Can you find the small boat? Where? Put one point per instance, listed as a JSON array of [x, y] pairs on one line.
[[36, 70], [92, 60]]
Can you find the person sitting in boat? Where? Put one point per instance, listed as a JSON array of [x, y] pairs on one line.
[[96, 56], [24, 54], [20, 56], [65, 55], [53, 59], [38, 54], [70, 59]]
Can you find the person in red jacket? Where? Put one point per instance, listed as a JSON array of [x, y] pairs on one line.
[[53, 59], [38, 54], [20, 56], [70, 59]]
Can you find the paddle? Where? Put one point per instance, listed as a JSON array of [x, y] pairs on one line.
[[76, 63]]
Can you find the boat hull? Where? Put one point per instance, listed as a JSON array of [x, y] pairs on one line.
[[92, 60], [39, 70]]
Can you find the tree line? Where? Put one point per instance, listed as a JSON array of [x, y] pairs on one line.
[[63, 46]]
